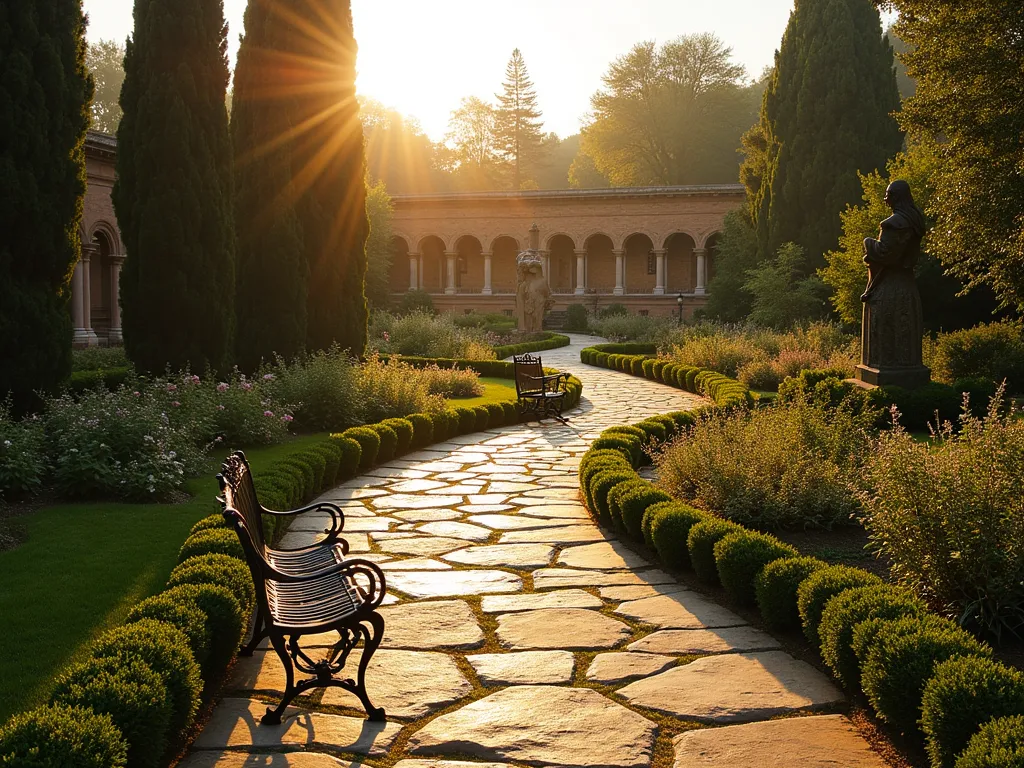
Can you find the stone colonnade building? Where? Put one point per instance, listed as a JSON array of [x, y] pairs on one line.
[[95, 311], [651, 249]]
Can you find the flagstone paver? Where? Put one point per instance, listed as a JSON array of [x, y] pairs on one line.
[[491, 525]]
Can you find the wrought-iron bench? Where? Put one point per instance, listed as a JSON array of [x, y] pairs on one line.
[[539, 393], [298, 597]]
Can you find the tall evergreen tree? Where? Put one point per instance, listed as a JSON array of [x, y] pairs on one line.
[[826, 115], [330, 173], [173, 193], [518, 135], [45, 91], [301, 210]]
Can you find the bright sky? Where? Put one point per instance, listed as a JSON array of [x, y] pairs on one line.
[[423, 57]]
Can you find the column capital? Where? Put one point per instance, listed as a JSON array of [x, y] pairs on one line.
[[451, 254], [700, 251], [581, 251], [414, 254], [619, 251], [487, 254], [117, 259], [659, 251], [88, 251]]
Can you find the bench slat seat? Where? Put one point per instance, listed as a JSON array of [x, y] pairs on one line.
[[305, 591]]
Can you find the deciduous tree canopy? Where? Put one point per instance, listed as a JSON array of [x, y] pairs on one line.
[[105, 60]]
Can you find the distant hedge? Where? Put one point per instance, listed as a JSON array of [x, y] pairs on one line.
[[551, 341]]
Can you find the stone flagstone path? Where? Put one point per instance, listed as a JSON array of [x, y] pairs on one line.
[[518, 633]]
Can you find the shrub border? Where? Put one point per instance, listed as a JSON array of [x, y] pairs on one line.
[[552, 341], [608, 470]]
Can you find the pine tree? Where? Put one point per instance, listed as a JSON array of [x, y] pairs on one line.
[[518, 135], [827, 114], [173, 193], [45, 91], [330, 175]]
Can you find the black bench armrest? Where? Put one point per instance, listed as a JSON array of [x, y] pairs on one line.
[[337, 516]]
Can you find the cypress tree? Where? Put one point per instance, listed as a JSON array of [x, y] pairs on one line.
[[272, 272], [173, 193], [331, 175], [827, 114], [45, 92]]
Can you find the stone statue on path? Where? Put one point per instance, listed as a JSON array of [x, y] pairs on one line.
[[533, 294], [893, 327]]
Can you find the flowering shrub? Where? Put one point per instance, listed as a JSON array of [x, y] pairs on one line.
[[22, 454], [950, 515], [450, 382], [121, 444], [394, 389], [323, 388], [421, 334], [776, 467], [994, 352]]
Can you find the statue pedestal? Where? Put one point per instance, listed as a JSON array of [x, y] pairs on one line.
[[908, 377]]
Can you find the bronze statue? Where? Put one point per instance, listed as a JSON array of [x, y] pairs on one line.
[[893, 326]]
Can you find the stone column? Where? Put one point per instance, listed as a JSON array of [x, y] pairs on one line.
[[81, 337], [88, 251], [414, 271], [659, 281], [545, 260], [487, 274], [449, 286], [620, 271], [702, 271], [115, 336], [581, 272]]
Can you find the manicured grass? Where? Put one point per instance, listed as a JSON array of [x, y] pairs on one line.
[[495, 391], [82, 569]]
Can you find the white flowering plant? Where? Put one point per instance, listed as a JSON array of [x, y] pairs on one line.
[[22, 454]]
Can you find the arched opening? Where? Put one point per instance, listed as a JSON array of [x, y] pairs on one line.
[[504, 250], [562, 264], [680, 264], [469, 265], [711, 247], [641, 266], [101, 284], [600, 264], [398, 274], [432, 264]]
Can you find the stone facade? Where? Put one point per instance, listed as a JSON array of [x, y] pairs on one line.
[[651, 249], [95, 311]]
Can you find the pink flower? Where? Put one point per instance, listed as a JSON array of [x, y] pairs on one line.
[[194, 379], [269, 414], [223, 387], [268, 377], [387, 336], [176, 404], [220, 407], [286, 418], [137, 394], [246, 386], [172, 388]]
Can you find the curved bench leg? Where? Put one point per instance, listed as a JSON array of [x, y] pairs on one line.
[[273, 716], [370, 642], [259, 631]]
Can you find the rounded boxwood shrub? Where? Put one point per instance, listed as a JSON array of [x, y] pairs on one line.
[[224, 622], [495, 413], [648, 368], [219, 570], [368, 441], [599, 461], [62, 737], [422, 429], [213, 541], [165, 650], [965, 693], [132, 694], [701, 545], [999, 744], [388, 441], [331, 455], [658, 368], [655, 431], [896, 670], [630, 445], [511, 410], [216, 520], [682, 419], [867, 633], [351, 457], [600, 485], [820, 587], [633, 505], [442, 426], [775, 589], [670, 532], [667, 374], [186, 616], [307, 483], [668, 422], [691, 379], [739, 558], [626, 486], [316, 461], [467, 420], [483, 417], [848, 609], [403, 431], [650, 514], [636, 365]]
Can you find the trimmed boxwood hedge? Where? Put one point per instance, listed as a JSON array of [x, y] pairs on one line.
[[999, 744], [219, 541], [820, 587], [185, 616], [670, 532], [776, 589], [132, 694], [739, 558], [388, 442], [701, 544], [403, 432], [221, 571], [60, 737], [550, 341], [369, 443]]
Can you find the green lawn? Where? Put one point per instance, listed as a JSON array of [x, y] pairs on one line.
[[495, 391], [82, 569]]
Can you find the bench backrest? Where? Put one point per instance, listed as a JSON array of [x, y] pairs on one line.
[[240, 495], [528, 372]]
